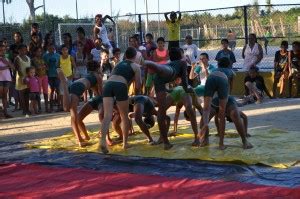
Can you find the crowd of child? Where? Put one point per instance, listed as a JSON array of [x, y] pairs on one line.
[[93, 68]]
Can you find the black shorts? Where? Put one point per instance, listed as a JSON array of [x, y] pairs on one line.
[[53, 83], [4, 84], [116, 89], [34, 96], [95, 102]]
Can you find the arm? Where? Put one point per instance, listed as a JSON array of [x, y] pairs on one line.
[[137, 78], [290, 63], [260, 55], [265, 88], [184, 78], [179, 16], [108, 17], [95, 32], [176, 117], [73, 64], [243, 52], [166, 16], [192, 74]]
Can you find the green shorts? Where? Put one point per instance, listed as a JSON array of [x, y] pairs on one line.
[[115, 89], [199, 90], [177, 94], [150, 80], [95, 102], [217, 84], [77, 88]]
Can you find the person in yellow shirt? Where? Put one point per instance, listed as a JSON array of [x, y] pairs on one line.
[[173, 25]]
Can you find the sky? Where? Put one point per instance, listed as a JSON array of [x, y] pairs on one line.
[[18, 9]]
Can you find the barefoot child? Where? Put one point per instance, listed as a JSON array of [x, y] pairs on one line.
[[34, 89]]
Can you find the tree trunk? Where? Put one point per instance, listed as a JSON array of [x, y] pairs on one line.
[[30, 4]]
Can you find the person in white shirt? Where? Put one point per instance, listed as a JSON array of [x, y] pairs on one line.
[[252, 53], [97, 50], [100, 30], [191, 51]]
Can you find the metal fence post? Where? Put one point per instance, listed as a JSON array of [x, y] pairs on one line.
[[140, 28], [246, 23]]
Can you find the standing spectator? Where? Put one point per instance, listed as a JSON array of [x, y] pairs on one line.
[[34, 43], [116, 57], [255, 86], [41, 72], [281, 69], [225, 52], [231, 36], [51, 59], [100, 31], [80, 62], [150, 47], [111, 37], [267, 37], [87, 44], [252, 52], [34, 89], [105, 66], [22, 62], [67, 41], [5, 79], [35, 28], [48, 41], [14, 48], [173, 25], [96, 52], [294, 68]]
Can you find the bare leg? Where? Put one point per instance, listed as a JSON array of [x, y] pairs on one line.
[[245, 122], [74, 119], [139, 110], [205, 121], [123, 110], [222, 123], [116, 123], [108, 104], [46, 102], [66, 95], [85, 110], [253, 90], [3, 95]]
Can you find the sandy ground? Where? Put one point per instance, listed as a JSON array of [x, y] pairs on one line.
[[281, 114]]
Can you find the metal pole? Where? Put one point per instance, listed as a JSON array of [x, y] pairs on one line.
[[246, 24], [146, 24], [44, 15], [135, 27], [3, 10], [76, 11], [178, 5], [158, 17], [140, 28], [111, 13]]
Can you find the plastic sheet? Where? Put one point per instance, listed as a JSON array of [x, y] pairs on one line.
[[274, 147], [34, 181]]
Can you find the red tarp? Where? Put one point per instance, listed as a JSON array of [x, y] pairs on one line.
[[18, 180]]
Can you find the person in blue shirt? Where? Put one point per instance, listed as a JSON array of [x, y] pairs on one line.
[[52, 62], [226, 52]]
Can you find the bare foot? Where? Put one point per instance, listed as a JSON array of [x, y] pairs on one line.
[[247, 145], [159, 141], [204, 143], [86, 138], [167, 146], [104, 150], [196, 143], [126, 146], [172, 134], [222, 147], [109, 142]]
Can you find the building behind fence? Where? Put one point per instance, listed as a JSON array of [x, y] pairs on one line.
[[206, 27]]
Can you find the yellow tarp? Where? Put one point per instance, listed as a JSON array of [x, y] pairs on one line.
[[274, 147]]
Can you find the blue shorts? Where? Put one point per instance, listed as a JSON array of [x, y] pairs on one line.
[[53, 83]]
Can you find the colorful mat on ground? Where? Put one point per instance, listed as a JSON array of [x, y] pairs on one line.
[[36, 181], [274, 147]]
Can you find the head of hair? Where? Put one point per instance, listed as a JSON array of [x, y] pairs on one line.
[[106, 51], [225, 40], [130, 53], [80, 30], [34, 34], [149, 121], [98, 15], [296, 44], [254, 68], [254, 35], [67, 34], [64, 46], [205, 54], [20, 34], [149, 35], [36, 49], [160, 39], [99, 39], [224, 62], [285, 44], [116, 50], [188, 37], [29, 69], [21, 46], [175, 54], [230, 31], [34, 25]]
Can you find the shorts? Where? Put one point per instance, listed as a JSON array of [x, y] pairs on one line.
[[150, 80], [4, 84], [43, 81], [115, 89], [53, 83], [160, 82], [80, 71], [77, 88], [177, 94], [34, 96], [217, 84], [199, 90], [95, 102], [173, 44]]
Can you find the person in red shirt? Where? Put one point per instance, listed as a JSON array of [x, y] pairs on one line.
[[88, 44]]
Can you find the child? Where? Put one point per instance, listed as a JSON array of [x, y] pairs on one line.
[[96, 52], [225, 52], [41, 72], [5, 79], [80, 60], [150, 47], [116, 57], [22, 62], [105, 66], [160, 56], [173, 25], [52, 62], [281, 68], [294, 68], [34, 43], [34, 89]]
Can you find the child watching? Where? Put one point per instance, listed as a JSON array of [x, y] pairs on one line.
[[105, 66], [34, 89], [150, 47], [116, 57], [96, 52]]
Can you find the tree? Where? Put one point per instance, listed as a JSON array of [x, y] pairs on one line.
[[32, 9]]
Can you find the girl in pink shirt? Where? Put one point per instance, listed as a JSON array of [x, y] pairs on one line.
[[34, 89], [5, 78]]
